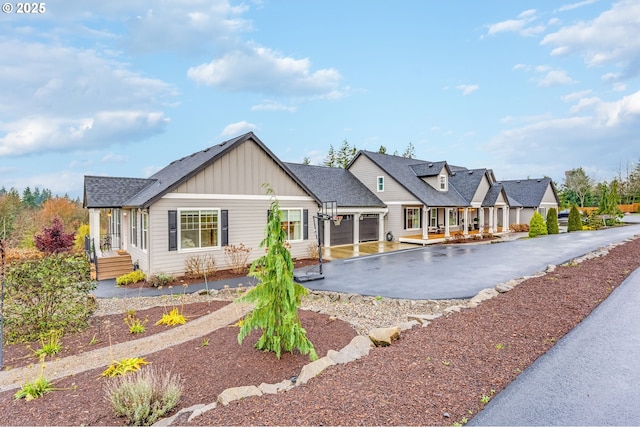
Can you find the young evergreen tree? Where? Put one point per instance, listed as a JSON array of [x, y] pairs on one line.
[[537, 226], [575, 222], [552, 222], [277, 296]]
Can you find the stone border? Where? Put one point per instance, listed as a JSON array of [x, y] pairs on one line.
[[361, 345]]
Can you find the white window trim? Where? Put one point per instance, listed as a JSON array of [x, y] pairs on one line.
[[199, 248], [446, 182], [133, 228], [301, 210], [379, 184], [406, 216], [144, 231]]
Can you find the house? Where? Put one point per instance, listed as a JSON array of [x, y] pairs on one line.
[[215, 198], [531, 195], [197, 205], [361, 212], [426, 198]]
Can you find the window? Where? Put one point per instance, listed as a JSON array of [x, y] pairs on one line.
[[453, 217], [134, 228], [543, 212], [433, 217], [291, 220], [199, 228], [380, 180], [443, 182], [144, 231], [411, 218]]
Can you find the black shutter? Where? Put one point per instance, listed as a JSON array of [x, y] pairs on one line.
[[224, 223], [305, 224], [404, 218], [173, 230]]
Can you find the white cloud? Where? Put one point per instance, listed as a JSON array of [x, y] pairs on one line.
[[572, 6], [468, 89], [576, 95], [555, 78], [522, 25], [608, 39], [60, 98], [238, 128], [262, 70], [273, 106]]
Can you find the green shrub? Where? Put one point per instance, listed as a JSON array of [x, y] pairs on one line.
[[537, 226], [145, 396], [130, 278], [161, 280], [574, 222], [552, 221], [48, 293]]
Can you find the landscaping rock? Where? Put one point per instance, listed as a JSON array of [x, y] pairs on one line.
[[202, 410], [382, 337], [423, 318], [503, 287], [405, 326], [484, 295], [238, 393], [313, 369]]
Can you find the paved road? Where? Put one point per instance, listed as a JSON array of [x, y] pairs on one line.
[[590, 377], [459, 271], [432, 272]]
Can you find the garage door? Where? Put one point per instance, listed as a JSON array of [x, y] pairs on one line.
[[342, 234], [369, 228]]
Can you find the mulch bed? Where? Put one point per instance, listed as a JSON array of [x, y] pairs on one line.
[[432, 376]]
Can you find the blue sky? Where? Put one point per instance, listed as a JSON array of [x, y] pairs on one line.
[[122, 88]]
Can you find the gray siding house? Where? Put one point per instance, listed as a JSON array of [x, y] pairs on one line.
[[531, 195], [198, 205]]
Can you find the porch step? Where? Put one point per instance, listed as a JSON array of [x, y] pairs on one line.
[[114, 266]]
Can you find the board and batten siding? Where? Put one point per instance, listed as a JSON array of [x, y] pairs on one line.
[[481, 192], [242, 170], [549, 199]]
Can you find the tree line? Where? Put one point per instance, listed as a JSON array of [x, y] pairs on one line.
[[580, 189], [341, 157], [23, 216]]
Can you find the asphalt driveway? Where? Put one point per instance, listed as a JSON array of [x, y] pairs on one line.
[[458, 271]]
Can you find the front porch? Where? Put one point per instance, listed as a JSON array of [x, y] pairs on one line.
[[433, 238]]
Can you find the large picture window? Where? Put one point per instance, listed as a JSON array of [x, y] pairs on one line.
[[412, 218], [291, 220], [199, 228]]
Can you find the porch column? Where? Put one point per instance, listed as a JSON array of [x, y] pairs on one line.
[[505, 219], [447, 212], [94, 228], [465, 221], [425, 223], [381, 234], [518, 215], [491, 218], [327, 233], [481, 220], [356, 228]]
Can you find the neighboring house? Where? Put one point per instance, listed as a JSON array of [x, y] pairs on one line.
[[431, 197], [199, 204], [362, 212], [532, 195]]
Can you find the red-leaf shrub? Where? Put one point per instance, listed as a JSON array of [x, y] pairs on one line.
[[53, 239]]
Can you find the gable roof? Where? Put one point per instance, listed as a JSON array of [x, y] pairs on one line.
[[177, 172], [329, 184], [467, 181], [111, 192], [403, 170], [528, 192]]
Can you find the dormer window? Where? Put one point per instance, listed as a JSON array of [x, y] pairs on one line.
[[443, 183]]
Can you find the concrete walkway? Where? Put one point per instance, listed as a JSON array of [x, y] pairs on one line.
[[590, 377], [102, 357]]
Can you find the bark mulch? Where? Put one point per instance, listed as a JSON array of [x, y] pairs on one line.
[[436, 375]]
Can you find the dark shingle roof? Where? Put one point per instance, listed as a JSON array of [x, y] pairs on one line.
[[466, 181], [403, 169], [329, 184], [528, 192], [111, 192]]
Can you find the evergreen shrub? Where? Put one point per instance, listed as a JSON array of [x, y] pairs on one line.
[[552, 222], [574, 222], [537, 226]]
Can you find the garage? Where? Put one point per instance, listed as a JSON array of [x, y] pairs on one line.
[[369, 227], [342, 234]]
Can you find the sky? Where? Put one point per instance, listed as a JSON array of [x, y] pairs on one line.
[[121, 88]]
